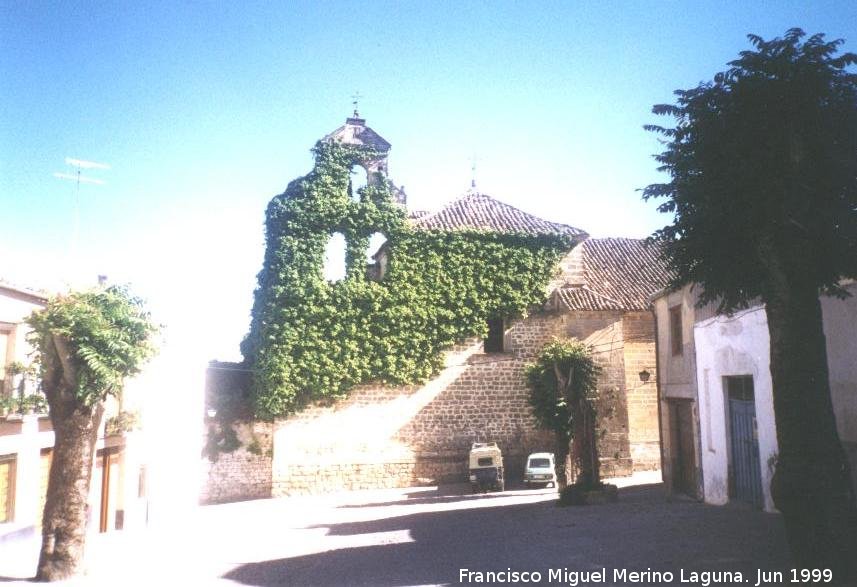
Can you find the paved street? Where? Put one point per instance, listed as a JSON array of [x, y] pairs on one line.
[[425, 536]]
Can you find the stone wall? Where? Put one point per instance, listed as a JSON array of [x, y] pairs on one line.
[[421, 435], [604, 332], [244, 473], [642, 396]]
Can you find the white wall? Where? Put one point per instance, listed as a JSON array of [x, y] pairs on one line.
[[733, 346], [740, 346], [14, 310], [840, 330]]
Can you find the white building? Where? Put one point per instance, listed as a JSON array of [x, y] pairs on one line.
[[718, 436]]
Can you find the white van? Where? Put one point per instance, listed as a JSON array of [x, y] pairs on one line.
[[486, 467], [540, 469]]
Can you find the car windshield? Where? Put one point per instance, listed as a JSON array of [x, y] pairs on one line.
[[540, 463]]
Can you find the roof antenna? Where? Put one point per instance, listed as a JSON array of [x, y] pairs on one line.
[[79, 179], [473, 173]]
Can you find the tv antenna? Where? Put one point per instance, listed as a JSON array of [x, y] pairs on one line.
[[79, 179]]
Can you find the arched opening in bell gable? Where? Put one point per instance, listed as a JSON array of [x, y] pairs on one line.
[[377, 256], [334, 257], [358, 180]]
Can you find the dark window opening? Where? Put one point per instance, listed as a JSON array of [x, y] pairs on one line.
[[485, 461], [740, 387], [494, 342], [676, 341]]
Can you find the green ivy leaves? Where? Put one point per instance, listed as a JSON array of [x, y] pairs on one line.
[[312, 340]]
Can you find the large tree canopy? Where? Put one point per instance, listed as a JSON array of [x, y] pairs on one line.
[[763, 158], [763, 168]]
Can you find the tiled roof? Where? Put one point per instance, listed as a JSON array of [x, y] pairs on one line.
[[475, 211], [618, 274], [581, 297]]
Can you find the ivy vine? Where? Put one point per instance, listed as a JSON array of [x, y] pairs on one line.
[[311, 339]]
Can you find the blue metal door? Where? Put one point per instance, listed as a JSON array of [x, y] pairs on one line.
[[746, 471]]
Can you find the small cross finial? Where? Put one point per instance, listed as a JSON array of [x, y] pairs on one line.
[[473, 171], [355, 98]]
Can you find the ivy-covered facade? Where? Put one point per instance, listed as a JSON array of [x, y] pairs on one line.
[[314, 339]]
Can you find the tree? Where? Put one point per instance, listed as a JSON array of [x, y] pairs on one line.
[[763, 166], [86, 344], [563, 394]]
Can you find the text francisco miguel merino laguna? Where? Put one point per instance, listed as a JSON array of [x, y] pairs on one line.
[[647, 577]]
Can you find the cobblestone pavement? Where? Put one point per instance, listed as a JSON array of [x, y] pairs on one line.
[[426, 536]]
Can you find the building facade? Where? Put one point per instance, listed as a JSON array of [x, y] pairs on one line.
[[718, 427]]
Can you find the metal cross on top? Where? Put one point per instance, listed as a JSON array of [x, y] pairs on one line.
[[355, 97]]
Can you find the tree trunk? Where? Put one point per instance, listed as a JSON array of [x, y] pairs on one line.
[[584, 444], [811, 485], [560, 458], [563, 389], [589, 465], [65, 516], [75, 433]]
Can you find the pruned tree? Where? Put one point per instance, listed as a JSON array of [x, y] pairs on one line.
[[763, 189], [87, 343], [563, 395]]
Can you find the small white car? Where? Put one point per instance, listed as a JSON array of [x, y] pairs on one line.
[[540, 469]]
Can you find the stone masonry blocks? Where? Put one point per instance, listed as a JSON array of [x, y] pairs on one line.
[[383, 436]]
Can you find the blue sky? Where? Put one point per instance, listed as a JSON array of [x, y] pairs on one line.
[[205, 110]]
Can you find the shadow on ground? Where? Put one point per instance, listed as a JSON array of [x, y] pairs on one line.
[[453, 493], [642, 531]]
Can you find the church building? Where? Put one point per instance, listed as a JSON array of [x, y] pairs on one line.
[[383, 436]]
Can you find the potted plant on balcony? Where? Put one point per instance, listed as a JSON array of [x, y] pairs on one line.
[[36, 403], [23, 378], [33, 403], [7, 405]]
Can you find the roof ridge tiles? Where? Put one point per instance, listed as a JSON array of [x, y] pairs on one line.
[[478, 211]]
